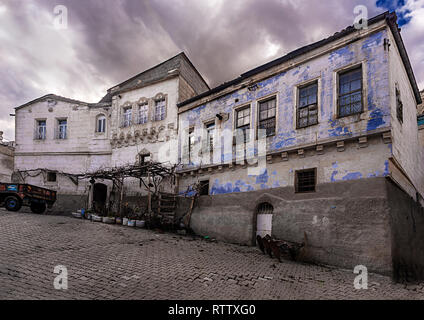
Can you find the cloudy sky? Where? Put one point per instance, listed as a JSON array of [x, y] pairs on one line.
[[108, 41]]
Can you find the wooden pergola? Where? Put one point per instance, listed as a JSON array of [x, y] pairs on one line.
[[154, 172]]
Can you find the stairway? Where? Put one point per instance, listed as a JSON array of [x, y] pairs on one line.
[[167, 204]]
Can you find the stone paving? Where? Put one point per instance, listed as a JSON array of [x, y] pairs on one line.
[[116, 262]]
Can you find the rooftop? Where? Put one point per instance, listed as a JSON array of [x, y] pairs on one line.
[[391, 19]]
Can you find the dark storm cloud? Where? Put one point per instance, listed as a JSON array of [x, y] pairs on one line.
[[108, 41]]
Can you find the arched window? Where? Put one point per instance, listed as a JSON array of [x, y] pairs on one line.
[[265, 208], [101, 124]]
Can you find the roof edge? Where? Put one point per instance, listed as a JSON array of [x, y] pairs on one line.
[[391, 19]]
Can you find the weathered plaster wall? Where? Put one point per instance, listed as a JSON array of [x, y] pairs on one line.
[[6, 162], [376, 115], [130, 141], [347, 223], [406, 146], [332, 166], [407, 227]]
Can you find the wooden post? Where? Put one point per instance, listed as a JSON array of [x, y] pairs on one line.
[[121, 197], [149, 195]]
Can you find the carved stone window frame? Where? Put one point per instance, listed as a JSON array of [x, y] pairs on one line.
[[140, 102], [125, 106], [159, 97]]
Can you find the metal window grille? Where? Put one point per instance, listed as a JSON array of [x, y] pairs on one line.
[[307, 110], [267, 113], [305, 180], [350, 92]]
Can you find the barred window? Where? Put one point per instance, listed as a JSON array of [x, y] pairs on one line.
[[143, 113], [267, 110], [243, 123], [305, 180], [307, 110], [160, 110], [350, 92], [399, 106]]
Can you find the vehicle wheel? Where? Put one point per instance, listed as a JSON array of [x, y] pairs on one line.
[[38, 207], [13, 203]]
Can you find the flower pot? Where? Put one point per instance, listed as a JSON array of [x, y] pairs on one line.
[[77, 215], [109, 220], [140, 223], [96, 218], [131, 223], [125, 221], [118, 220]]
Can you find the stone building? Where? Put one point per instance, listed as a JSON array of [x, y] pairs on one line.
[[137, 118], [6, 159], [421, 122], [322, 141]]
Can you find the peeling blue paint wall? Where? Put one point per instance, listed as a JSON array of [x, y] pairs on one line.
[[369, 51]]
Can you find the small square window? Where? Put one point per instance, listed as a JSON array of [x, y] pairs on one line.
[[51, 177], [204, 188], [305, 180]]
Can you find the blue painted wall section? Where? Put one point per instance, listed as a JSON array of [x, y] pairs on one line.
[[369, 51]]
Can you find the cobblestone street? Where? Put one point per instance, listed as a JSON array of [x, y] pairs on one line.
[[115, 262]]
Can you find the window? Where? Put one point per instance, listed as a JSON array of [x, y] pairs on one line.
[[191, 140], [243, 123], [267, 116], [143, 113], [40, 133], [350, 92], [160, 110], [62, 129], [210, 132], [127, 119], [399, 106], [145, 158], [307, 108], [265, 208], [204, 188], [305, 180], [51, 177], [101, 124]]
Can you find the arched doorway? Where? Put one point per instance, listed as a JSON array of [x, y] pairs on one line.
[[264, 212], [99, 197]]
